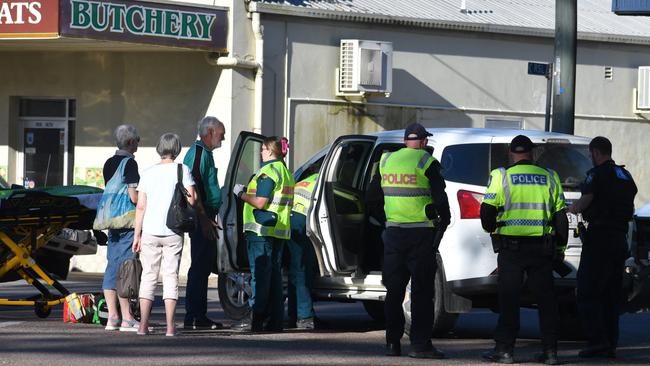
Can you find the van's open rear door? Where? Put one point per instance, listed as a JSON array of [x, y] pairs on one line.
[[244, 163], [337, 216]]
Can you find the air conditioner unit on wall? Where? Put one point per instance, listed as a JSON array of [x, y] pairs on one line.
[[643, 90], [365, 67]]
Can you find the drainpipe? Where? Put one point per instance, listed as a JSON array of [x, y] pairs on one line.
[[258, 31], [257, 65], [234, 62]]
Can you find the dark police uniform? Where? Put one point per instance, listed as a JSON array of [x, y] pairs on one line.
[[521, 206], [409, 190], [603, 254]]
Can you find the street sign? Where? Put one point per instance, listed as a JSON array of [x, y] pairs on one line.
[[538, 68]]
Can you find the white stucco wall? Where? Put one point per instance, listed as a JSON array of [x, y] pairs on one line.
[[462, 77]]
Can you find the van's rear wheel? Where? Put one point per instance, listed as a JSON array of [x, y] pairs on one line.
[[443, 322], [234, 291]]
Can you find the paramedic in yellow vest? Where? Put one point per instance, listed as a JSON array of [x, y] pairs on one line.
[[302, 268], [267, 207], [524, 210], [409, 190]]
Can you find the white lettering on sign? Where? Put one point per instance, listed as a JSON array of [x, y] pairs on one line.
[[15, 13], [531, 179], [35, 13]]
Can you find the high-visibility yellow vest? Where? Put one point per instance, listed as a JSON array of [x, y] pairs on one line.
[[526, 197], [406, 188], [302, 194], [279, 203]]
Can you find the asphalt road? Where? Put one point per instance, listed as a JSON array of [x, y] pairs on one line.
[[350, 338]]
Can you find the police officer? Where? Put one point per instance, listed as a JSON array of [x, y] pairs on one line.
[[302, 265], [522, 205], [607, 203], [267, 208], [411, 191]]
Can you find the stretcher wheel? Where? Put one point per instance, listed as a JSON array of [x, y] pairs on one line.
[[42, 311]]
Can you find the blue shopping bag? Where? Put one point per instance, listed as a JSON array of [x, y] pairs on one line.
[[115, 209]]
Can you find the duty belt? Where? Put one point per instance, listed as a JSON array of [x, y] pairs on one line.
[[409, 225]]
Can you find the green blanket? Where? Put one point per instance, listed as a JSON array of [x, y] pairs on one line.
[[55, 190]]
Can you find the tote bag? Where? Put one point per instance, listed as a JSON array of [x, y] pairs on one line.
[[181, 217], [115, 209], [128, 278]]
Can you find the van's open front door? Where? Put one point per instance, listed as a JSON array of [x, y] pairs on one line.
[[244, 163], [337, 217]]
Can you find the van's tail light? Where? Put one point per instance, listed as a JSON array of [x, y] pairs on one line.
[[470, 204]]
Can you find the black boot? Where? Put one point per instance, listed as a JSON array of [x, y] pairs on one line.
[[548, 357], [393, 349], [498, 356], [432, 353], [251, 323], [598, 350]]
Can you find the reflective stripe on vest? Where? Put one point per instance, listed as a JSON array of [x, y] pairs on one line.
[[409, 225], [406, 192], [532, 215], [406, 188], [302, 193], [265, 230], [279, 203]]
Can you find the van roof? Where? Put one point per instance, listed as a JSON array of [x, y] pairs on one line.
[[485, 135]]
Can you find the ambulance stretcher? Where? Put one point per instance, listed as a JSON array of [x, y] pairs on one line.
[[29, 219]]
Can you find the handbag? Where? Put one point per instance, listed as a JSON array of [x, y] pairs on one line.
[[181, 217], [115, 209], [128, 278]]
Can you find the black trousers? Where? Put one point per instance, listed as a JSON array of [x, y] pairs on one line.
[[600, 278], [531, 260], [409, 255]]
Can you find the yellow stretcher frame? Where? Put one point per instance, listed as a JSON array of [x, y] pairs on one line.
[[33, 228]]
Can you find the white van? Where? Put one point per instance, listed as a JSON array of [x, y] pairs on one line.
[[348, 246]]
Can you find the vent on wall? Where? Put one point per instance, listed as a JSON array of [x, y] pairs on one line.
[[643, 88], [609, 73], [365, 67]]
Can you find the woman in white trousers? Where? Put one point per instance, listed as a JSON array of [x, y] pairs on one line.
[[160, 248]]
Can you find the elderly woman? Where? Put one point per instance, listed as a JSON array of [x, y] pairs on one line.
[[120, 240], [159, 247], [267, 208]]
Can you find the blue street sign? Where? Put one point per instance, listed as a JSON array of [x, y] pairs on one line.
[[538, 68], [631, 7]]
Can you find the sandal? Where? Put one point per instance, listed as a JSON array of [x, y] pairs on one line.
[[113, 324], [129, 326]]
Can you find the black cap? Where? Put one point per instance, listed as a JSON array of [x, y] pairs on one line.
[[521, 144], [415, 131]]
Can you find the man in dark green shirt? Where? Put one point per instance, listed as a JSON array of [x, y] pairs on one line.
[[204, 247]]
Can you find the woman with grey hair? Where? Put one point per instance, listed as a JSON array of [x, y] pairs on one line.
[[120, 240], [160, 248]]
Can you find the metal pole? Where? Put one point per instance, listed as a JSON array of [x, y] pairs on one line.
[[564, 75], [549, 98]]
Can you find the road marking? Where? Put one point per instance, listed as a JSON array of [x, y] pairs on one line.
[[9, 324]]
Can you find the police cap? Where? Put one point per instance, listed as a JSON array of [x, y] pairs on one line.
[[415, 131], [521, 144]]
